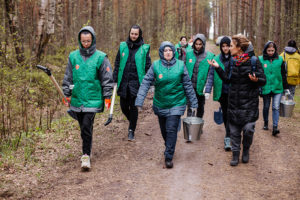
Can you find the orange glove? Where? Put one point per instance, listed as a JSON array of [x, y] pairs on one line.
[[67, 103], [107, 103]]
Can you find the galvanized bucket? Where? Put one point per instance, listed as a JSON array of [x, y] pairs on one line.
[[192, 128], [286, 108]]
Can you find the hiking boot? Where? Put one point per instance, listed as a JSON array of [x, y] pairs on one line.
[[169, 163], [227, 145], [245, 156], [130, 135], [235, 158], [266, 125], [85, 162], [275, 131]]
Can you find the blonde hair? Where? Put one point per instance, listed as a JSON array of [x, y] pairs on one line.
[[241, 41]]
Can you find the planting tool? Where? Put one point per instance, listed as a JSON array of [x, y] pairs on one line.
[[112, 106]]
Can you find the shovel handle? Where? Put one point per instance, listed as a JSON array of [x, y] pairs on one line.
[[113, 100]]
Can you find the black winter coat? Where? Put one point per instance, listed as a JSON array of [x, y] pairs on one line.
[[243, 96], [130, 81]]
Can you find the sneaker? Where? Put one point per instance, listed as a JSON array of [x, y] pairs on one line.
[[85, 162], [227, 145]]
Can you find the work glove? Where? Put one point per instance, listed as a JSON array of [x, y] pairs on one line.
[[287, 92], [194, 110], [107, 103], [140, 109], [152, 89], [206, 96], [66, 101]]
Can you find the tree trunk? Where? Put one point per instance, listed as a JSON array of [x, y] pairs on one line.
[[259, 34], [277, 24], [11, 15]]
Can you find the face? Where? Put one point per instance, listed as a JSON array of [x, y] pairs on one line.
[[86, 40], [168, 53], [183, 41], [234, 50], [134, 34], [225, 48], [198, 45], [270, 51]]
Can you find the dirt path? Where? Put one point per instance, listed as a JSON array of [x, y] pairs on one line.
[[134, 170]]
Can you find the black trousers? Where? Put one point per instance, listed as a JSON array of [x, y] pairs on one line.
[[200, 109], [129, 110], [224, 105], [86, 122]]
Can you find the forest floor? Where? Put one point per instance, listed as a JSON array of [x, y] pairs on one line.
[[135, 170]]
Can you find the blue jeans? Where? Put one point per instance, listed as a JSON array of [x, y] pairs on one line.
[[169, 126], [275, 107]]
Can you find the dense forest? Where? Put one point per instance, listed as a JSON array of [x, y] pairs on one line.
[[45, 31]]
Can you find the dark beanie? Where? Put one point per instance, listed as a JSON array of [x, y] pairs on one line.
[[225, 40]]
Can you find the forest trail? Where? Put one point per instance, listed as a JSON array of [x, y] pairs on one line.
[[135, 170]]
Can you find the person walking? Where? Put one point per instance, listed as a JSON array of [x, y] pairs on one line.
[[274, 69], [131, 64], [291, 56], [198, 67], [172, 85], [243, 96], [87, 84], [220, 88], [181, 48]]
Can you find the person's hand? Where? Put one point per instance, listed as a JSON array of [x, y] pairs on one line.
[[194, 110], [253, 77], [107, 103], [66, 101], [213, 63], [206, 96], [114, 84]]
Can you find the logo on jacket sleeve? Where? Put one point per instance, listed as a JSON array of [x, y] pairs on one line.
[[160, 76], [77, 67]]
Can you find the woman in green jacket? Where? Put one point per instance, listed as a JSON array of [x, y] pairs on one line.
[[274, 69]]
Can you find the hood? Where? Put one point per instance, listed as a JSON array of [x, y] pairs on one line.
[[265, 54], [225, 40], [161, 53], [91, 50], [201, 37], [290, 50], [250, 50], [140, 41]]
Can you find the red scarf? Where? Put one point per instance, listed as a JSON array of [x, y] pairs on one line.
[[241, 59]]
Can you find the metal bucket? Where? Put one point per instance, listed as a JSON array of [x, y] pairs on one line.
[[192, 128], [286, 108]]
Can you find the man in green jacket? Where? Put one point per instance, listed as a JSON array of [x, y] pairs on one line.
[[88, 87], [197, 66]]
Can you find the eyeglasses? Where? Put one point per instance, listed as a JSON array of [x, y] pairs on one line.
[[86, 42]]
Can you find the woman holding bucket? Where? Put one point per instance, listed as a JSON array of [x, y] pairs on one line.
[[274, 69], [172, 86], [245, 80]]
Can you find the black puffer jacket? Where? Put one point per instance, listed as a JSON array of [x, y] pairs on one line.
[[243, 93]]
